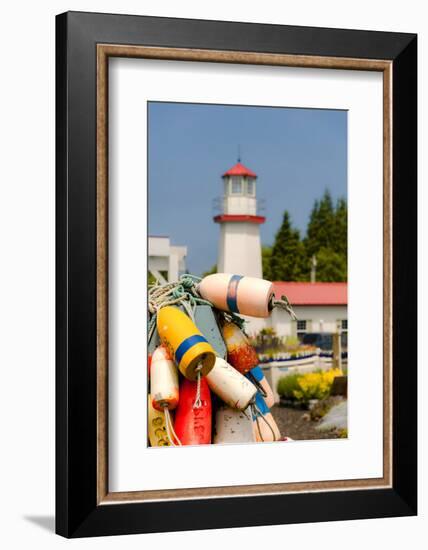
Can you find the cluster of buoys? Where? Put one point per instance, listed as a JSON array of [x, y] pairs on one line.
[[201, 387]]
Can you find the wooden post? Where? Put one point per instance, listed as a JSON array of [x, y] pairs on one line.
[[337, 347]]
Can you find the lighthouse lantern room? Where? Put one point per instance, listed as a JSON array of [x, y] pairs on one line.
[[239, 245]]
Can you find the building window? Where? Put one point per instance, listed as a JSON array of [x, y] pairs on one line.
[[236, 185], [301, 328], [344, 325], [251, 188]]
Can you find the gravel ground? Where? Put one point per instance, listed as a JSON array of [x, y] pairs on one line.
[[297, 424]]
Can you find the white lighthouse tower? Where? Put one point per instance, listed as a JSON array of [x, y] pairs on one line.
[[240, 247]]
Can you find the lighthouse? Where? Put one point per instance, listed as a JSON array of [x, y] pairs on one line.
[[239, 246]]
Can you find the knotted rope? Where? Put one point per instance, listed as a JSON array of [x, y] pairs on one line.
[[182, 293]]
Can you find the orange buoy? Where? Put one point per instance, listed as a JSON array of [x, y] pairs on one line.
[[240, 353], [193, 423], [230, 385], [238, 294], [265, 428], [163, 380], [158, 435], [193, 354]]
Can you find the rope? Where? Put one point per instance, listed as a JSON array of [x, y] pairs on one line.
[[256, 383], [170, 429], [255, 407], [198, 402], [183, 293], [284, 303]]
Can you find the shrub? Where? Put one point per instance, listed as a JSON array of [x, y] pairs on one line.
[[315, 385], [304, 387], [288, 385]]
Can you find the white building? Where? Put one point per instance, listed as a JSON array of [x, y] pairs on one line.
[[239, 246], [166, 262], [319, 307]]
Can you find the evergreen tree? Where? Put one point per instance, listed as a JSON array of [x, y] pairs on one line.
[[266, 259], [341, 229], [287, 253], [331, 266], [321, 230]]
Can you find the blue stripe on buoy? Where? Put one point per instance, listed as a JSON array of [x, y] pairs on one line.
[[187, 344], [232, 293]]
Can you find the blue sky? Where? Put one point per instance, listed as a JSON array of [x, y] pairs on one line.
[[296, 153]]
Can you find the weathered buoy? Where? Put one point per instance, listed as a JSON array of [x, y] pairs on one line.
[[238, 294], [158, 435], [240, 353], [163, 380], [265, 428], [244, 295], [233, 426], [193, 354], [193, 423], [207, 323], [230, 385]]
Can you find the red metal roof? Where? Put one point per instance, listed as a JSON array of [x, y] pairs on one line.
[[239, 170], [239, 218], [313, 294]]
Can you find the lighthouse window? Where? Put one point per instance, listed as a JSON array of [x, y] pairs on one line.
[[250, 187], [236, 186]]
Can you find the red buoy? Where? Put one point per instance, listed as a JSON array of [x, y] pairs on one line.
[[193, 424]]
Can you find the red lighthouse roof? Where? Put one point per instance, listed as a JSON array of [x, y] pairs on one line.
[[239, 170]]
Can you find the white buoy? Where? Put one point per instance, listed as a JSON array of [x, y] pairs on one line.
[[233, 426], [163, 380], [244, 295], [230, 385]]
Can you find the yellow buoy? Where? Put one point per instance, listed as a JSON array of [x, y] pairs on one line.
[[193, 354], [158, 435]]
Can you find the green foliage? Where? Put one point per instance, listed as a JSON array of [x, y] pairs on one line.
[[331, 266], [287, 385], [266, 258], [327, 238], [321, 230], [210, 271], [311, 385], [151, 279], [292, 342], [290, 258], [287, 253]]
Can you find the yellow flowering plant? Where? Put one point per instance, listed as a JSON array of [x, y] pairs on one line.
[[315, 385]]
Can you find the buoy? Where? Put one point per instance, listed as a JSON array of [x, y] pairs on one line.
[[230, 385], [243, 295], [207, 323], [163, 380], [233, 426], [266, 429], [193, 354], [158, 435], [238, 294], [164, 388], [149, 364], [240, 353], [192, 416]]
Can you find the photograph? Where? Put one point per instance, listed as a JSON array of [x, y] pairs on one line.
[[247, 274]]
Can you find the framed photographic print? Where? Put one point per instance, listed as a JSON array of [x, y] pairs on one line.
[[236, 274]]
